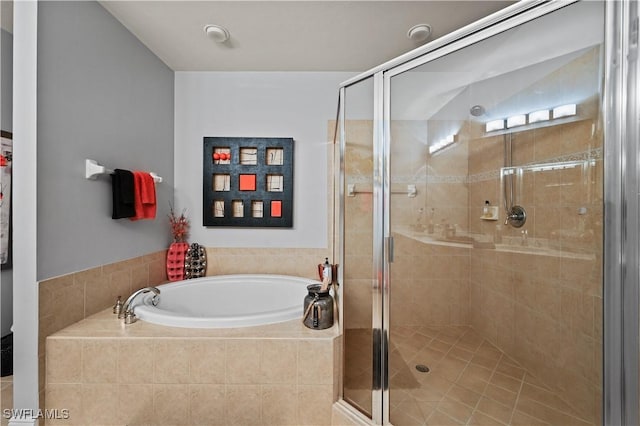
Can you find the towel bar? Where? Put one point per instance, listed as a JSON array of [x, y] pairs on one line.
[[93, 170]]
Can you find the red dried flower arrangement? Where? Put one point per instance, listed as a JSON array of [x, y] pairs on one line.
[[179, 225]]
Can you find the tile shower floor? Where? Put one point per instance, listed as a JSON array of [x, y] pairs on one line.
[[470, 381]]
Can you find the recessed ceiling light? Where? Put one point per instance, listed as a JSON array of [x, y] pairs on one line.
[[217, 33], [419, 32]]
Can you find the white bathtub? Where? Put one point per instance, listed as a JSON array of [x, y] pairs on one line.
[[226, 301]]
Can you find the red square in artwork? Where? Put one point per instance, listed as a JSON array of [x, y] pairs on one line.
[[247, 182], [276, 208]]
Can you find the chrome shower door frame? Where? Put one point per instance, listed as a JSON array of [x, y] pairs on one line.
[[621, 216], [621, 272]]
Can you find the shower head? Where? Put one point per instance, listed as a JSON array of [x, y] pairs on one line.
[[477, 110]]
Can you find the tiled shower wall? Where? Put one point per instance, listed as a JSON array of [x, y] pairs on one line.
[[358, 217], [420, 272], [544, 310]]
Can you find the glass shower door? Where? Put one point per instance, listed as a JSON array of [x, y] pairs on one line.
[[357, 239], [495, 206]]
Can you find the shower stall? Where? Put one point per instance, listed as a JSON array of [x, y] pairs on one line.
[[485, 268]]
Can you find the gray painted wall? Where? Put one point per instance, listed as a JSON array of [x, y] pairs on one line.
[[101, 95], [6, 95], [6, 92]]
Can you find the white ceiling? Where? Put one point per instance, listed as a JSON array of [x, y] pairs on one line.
[[289, 35]]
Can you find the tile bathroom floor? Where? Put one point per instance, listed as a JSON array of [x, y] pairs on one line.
[[470, 381], [6, 397]]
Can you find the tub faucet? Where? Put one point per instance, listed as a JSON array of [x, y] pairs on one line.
[[127, 309], [525, 235]]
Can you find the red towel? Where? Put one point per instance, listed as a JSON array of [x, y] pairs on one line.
[[145, 196]]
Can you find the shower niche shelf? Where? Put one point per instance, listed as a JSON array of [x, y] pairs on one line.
[[248, 182], [491, 213]]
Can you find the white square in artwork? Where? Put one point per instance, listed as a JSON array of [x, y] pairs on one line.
[[275, 156], [257, 209], [248, 156], [238, 208], [218, 208], [221, 182], [275, 183]]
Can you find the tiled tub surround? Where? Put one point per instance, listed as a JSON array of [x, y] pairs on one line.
[[68, 299], [144, 374], [223, 261]]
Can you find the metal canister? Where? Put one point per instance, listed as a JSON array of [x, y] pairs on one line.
[[318, 308]]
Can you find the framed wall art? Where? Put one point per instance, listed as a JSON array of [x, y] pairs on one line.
[[6, 164], [248, 182]]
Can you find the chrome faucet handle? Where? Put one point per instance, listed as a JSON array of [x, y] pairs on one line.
[[117, 308], [130, 317]]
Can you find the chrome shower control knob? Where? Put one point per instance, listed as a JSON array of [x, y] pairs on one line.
[[516, 217]]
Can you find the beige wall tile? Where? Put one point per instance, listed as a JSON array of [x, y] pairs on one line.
[[88, 274], [52, 292], [42, 379], [207, 404], [99, 360], [243, 405], [158, 269], [61, 304], [65, 396], [124, 265], [98, 294], [242, 358], [315, 362], [135, 404], [135, 361], [121, 283], [314, 404], [170, 404], [139, 277], [279, 406], [171, 361], [64, 356], [207, 361], [99, 403], [279, 361]]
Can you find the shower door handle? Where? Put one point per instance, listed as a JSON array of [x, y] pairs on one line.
[[389, 243]]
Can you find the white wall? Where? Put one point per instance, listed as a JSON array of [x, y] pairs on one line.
[[25, 291], [252, 104]]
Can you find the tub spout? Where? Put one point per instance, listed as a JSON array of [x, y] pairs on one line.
[[127, 309]]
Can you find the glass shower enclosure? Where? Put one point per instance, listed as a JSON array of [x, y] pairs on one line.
[[472, 226]]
